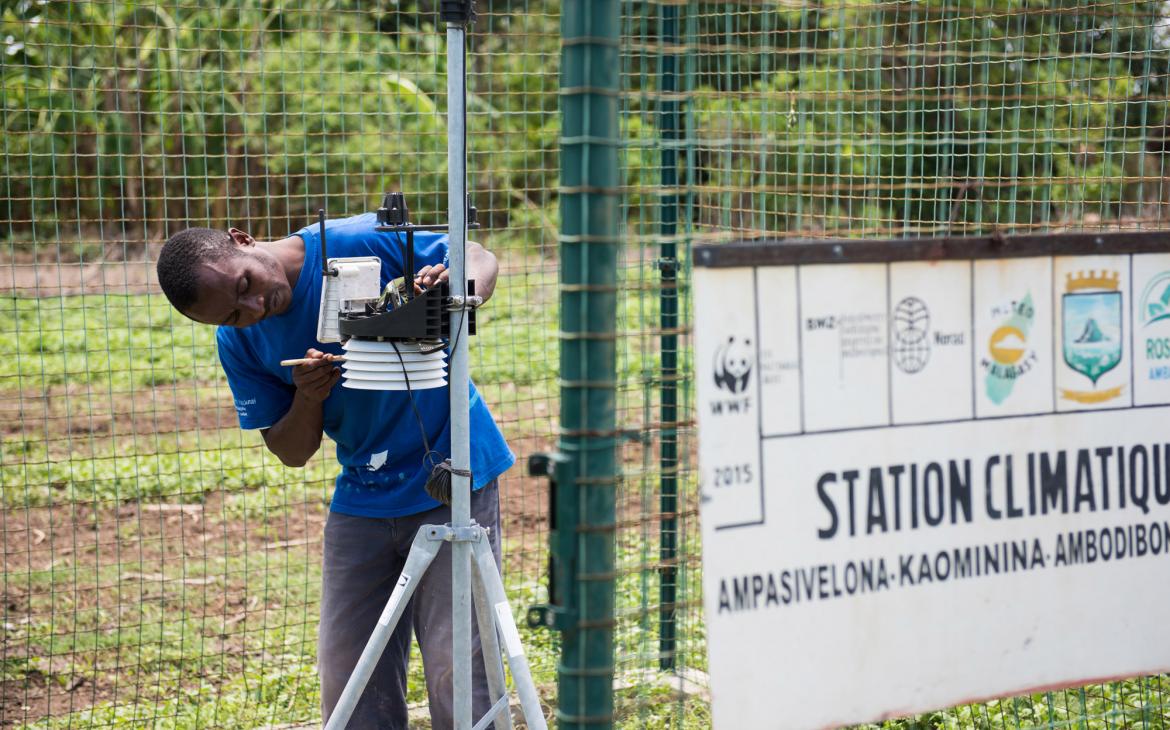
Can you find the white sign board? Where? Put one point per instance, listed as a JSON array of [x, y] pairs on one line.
[[925, 483]]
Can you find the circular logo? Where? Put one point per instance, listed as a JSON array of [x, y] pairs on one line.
[[1154, 305], [1006, 345], [911, 329]]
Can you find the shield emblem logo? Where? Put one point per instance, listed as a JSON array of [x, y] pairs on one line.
[[1092, 336]]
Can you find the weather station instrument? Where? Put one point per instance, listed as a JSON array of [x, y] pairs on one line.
[[393, 337]]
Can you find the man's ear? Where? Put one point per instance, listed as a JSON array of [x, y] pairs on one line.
[[241, 238]]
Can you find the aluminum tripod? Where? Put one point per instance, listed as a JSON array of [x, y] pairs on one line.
[[495, 621], [469, 542]]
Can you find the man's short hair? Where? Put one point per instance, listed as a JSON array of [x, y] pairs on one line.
[[181, 258]]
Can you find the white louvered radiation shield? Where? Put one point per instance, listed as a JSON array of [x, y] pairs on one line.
[[373, 365]]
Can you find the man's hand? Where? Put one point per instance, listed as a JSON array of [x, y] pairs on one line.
[[315, 380], [428, 276], [297, 435], [481, 266]]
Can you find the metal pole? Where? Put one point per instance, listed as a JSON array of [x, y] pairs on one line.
[[495, 616], [589, 246], [670, 127], [459, 379]]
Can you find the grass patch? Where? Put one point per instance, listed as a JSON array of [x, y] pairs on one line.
[[225, 638], [221, 632], [118, 341], [163, 613], [1132, 703], [124, 342], [170, 467], [258, 695]]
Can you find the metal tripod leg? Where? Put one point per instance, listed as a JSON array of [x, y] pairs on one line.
[[489, 642], [493, 614], [423, 550], [501, 615]]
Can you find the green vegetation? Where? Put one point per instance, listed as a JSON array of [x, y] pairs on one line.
[[122, 121], [165, 468], [222, 638], [1134, 703], [249, 663], [185, 631], [109, 349], [117, 342], [880, 119], [222, 633]]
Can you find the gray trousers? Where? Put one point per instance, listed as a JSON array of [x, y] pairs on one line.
[[363, 558]]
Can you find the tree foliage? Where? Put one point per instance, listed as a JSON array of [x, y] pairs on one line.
[[124, 120], [928, 117]]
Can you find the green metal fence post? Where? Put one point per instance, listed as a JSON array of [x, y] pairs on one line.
[[670, 128], [589, 243]]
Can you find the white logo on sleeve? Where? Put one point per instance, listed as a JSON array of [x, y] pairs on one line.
[[377, 460]]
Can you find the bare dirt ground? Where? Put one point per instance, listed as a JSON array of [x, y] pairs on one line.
[[26, 276], [31, 278], [61, 411], [105, 561], [113, 562]]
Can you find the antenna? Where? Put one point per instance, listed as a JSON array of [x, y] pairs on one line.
[[325, 270]]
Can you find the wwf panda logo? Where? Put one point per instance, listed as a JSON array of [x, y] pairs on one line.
[[733, 364]]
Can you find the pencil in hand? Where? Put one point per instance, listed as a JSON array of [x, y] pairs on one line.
[[309, 360]]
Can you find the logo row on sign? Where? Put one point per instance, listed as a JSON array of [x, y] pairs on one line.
[[856, 346]]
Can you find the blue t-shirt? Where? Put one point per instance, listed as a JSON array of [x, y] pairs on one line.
[[377, 435]]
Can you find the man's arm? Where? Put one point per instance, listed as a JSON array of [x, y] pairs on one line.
[[297, 435], [481, 266]]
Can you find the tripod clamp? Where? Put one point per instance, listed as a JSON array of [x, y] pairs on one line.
[[448, 533]]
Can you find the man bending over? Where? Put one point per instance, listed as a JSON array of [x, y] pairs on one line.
[[265, 298]]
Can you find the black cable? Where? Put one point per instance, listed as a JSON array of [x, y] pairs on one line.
[[417, 416], [438, 484]]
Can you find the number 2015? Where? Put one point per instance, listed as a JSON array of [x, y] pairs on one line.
[[729, 476]]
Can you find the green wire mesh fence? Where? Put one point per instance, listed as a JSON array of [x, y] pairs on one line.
[[847, 120], [161, 569]]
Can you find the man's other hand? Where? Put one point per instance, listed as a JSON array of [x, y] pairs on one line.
[[428, 276], [315, 380]]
